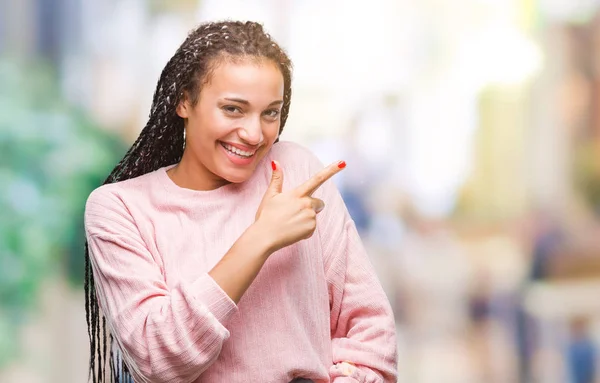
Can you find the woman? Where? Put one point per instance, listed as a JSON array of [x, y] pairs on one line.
[[207, 263]]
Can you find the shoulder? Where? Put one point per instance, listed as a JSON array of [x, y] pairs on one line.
[[110, 194], [104, 197], [111, 202]]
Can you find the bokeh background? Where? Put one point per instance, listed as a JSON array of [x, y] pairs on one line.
[[472, 133]]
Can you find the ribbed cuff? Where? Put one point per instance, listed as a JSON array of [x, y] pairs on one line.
[[216, 300], [345, 372]]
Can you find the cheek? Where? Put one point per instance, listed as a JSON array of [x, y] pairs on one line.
[[213, 124], [271, 131]]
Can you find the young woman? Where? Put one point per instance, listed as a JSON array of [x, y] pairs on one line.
[[216, 253]]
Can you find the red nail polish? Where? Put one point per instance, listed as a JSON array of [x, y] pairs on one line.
[[273, 165], [342, 164]]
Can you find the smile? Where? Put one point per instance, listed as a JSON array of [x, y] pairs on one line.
[[237, 152]]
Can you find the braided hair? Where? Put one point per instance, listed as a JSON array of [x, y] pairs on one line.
[[161, 142]]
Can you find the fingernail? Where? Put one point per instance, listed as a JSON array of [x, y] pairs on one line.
[[319, 208], [342, 164], [273, 165]]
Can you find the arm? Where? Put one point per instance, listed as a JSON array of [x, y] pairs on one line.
[[239, 267], [166, 333], [362, 323]]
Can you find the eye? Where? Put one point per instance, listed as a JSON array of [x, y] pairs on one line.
[[232, 109], [272, 113]]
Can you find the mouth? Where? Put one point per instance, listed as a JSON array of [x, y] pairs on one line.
[[238, 152]]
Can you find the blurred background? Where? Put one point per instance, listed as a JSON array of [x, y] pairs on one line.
[[472, 133]]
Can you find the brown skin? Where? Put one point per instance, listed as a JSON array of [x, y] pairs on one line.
[[239, 105], [250, 122]]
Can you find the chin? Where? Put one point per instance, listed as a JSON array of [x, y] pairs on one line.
[[237, 178]]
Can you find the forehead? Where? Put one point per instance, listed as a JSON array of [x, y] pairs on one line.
[[253, 78]]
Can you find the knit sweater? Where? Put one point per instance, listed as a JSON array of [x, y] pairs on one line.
[[315, 310]]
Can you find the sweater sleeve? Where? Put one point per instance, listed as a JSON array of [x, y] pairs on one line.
[[165, 333], [363, 329]]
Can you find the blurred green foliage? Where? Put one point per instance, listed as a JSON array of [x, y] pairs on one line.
[[51, 157]]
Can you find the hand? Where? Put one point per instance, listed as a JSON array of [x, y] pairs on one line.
[[288, 217]]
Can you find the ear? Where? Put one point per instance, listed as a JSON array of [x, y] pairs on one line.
[[184, 107]]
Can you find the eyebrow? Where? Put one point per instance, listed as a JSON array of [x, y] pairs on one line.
[[246, 102]]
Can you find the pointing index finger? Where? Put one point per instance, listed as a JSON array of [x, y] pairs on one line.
[[315, 182]]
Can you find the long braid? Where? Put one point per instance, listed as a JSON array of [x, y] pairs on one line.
[[86, 286], [161, 142]]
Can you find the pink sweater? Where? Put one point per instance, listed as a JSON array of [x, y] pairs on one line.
[[314, 305]]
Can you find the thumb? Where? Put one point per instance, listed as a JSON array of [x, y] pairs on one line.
[[276, 179]]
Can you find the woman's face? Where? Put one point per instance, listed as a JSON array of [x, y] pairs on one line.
[[235, 121]]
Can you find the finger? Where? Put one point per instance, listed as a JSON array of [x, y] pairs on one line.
[[313, 183], [317, 204], [276, 179], [313, 203]]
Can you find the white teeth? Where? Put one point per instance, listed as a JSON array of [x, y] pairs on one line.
[[237, 151]]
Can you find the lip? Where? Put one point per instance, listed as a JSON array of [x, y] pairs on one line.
[[242, 147], [238, 161]]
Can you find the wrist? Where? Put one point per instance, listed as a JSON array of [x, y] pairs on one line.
[[259, 238]]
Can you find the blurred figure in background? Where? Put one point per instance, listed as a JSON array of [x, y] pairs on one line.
[[581, 352]]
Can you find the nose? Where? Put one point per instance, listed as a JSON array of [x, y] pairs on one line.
[[251, 132]]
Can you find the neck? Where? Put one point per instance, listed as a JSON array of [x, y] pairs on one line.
[[190, 174]]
